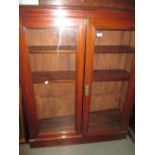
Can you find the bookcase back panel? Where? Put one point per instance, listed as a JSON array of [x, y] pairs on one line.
[[55, 99], [108, 95], [113, 61], [53, 62], [114, 37], [51, 37]]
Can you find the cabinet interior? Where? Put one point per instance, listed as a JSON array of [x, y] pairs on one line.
[[113, 56], [53, 54]]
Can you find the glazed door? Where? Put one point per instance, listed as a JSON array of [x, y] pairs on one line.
[[109, 75], [51, 66]]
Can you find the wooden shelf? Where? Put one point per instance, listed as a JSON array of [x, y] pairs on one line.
[[110, 75], [54, 76], [98, 121], [69, 76], [52, 49], [57, 124], [105, 119], [114, 49]]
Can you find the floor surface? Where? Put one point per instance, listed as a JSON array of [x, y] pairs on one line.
[[119, 147]]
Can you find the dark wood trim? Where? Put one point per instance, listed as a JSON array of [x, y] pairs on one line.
[[26, 83], [22, 134], [110, 75], [131, 134], [112, 4], [131, 126], [52, 49], [129, 98], [44, 142], [80, 75], [114, 49], [22, 126], [54, 76], [58, 135], [88, 74], [113, 23], [40, 22], [49, 11]]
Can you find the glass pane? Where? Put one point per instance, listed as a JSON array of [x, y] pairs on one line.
[[53, 58], [52, 37], [113, 56]]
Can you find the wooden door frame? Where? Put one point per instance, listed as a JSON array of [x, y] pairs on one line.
[[110, 24], [25, 69]]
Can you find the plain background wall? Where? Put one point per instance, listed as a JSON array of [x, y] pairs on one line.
[[29, 2]]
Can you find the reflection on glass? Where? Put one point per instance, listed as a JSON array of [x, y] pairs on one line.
[[53, 57], [113, 56]]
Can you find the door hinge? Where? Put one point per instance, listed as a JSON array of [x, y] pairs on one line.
[[87, 90]]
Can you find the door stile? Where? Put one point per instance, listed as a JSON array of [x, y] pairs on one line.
[[26, 83], [88, 74]]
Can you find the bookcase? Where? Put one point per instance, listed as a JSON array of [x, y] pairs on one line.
[[77, 73]]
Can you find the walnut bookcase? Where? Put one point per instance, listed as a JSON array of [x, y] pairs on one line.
[[77, 73]]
